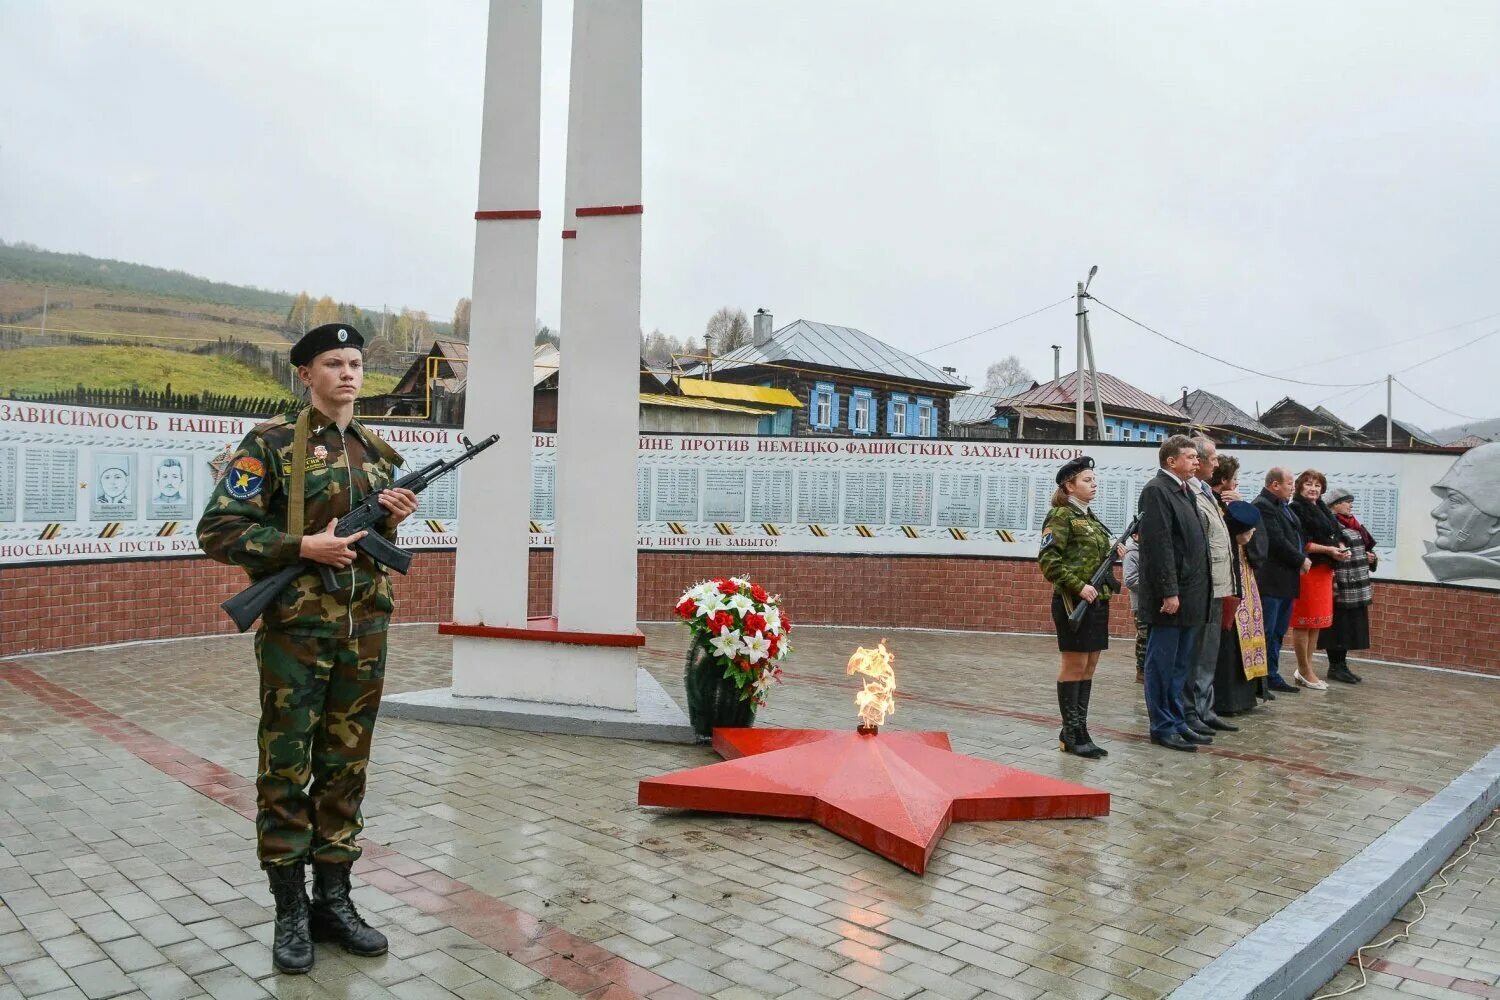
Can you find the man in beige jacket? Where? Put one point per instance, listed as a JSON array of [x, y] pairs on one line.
[[1198, 694]]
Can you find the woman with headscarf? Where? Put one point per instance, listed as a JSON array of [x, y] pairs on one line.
[[1242, 647], [1352, 592], [1312, 611]]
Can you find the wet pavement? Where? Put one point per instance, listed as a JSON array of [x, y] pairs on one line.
[[510, 864], [1453, 949]]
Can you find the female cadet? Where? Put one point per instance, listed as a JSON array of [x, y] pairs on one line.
[[1073, 544]]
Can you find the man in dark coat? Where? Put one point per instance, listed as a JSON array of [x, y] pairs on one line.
[[1174, 591], [1280, 560]]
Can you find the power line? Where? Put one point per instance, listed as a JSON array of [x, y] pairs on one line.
[[1460, 347], [1231, 364], [992, 329], [1462, 416], [1371, 350]]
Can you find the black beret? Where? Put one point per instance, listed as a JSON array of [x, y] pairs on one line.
[[328, 337], [1080, 464], [1242, 516]]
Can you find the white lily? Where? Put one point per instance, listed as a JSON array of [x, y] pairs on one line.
[[711, 604], [739, 603], [727, 644], [757, 647]]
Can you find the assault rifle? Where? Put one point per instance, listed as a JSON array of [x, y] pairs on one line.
[[1105, 574], [250, 603]]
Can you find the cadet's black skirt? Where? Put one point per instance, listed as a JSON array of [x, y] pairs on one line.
[[1093, 632]]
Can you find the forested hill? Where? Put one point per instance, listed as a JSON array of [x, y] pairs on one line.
[[23, 262]]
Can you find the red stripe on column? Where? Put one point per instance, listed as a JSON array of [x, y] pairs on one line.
[[516, 213], [570, 234], [584, 213]]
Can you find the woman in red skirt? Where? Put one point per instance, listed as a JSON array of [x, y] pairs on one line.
[[1312, 611]]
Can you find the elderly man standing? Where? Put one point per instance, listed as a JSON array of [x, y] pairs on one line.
[[1198, 693], [1174, 589]]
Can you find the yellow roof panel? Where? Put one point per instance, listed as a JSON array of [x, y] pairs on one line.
[[690, 403], [732, 390]]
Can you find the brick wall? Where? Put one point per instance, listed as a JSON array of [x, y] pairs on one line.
[[63, 605]]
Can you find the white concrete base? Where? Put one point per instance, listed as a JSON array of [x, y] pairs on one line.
[[656, 716], [557, 673]]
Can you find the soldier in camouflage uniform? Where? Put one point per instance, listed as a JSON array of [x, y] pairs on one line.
[[1073, 544], [321, 655]]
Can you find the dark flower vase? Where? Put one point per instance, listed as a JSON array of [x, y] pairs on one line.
[[713, 700]]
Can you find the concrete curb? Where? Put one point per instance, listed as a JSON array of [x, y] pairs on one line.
[[1290, 956], [656, 718]]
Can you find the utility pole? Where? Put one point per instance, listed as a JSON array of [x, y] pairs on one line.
[[44, 313], [1056, 362], [1388, 380], [1086, 347], [1078, 387]]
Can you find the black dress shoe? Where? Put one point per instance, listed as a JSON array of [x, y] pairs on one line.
[[1201, 729], [1357, 679], [1266, 695], [1281, 686], [1193, 736], [1174, 742], [1222, 726]]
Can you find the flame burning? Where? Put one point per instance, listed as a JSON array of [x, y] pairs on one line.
[[876, 700]]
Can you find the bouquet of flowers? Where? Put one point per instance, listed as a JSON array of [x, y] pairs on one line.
[[743, 631]]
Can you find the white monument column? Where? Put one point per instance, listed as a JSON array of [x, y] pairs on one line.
[[598, 400], [490, 579], [575, 670]]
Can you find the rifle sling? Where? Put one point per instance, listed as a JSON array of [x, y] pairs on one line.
[[296, 520]]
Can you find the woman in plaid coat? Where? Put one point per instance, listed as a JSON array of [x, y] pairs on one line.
[[1352, 592]]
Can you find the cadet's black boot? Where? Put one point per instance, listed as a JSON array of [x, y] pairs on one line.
[[1085, 689], [334, 917], [1073, 738], [291, 947]]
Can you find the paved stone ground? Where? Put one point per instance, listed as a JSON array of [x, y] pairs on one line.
[[509, 864], [1454, 950]]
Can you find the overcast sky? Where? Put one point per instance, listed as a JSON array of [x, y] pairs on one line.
[[1275, 183]]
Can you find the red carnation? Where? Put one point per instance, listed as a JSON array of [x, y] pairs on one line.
[[720, 621], [728, 587], [686, 608], [759, 593], [754, 622], [775, 645]]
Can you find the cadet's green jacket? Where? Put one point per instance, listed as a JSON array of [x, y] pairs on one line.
[[1074, 542], [244, 523]]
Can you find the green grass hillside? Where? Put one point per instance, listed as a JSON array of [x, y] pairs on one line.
[[55, 369]]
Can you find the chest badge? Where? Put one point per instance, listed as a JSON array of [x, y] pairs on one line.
[[320, 452]]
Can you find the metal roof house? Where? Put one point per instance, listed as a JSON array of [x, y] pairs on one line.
[[1303, 424], [973, 414], [1223, 421], [847, 382], [1046, 413], [1404, 434]]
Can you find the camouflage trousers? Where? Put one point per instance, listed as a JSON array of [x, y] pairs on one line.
[[318, 699]]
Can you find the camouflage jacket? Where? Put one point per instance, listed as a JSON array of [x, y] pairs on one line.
[[1074, 542], [244, 523]]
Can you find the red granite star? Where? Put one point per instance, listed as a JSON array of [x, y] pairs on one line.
[[892, 792]]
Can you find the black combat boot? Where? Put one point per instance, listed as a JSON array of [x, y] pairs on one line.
[[1085, 689], [334, 917], [1073, 738], [291, 947]]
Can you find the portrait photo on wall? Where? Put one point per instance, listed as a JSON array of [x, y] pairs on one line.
[[112, 488], [171, 492]]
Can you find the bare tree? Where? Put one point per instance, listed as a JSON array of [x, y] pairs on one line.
[[727, 329], [461, 319], [1007, 371]]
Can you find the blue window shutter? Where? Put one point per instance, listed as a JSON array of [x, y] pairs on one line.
[[890, 416], [834, 412]]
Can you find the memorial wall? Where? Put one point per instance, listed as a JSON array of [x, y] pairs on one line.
[[92, 484]]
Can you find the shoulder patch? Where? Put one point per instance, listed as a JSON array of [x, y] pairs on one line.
[[1047, 538], [245, 478]]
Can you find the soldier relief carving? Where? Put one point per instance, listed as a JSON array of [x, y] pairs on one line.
[[1467, 518]]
